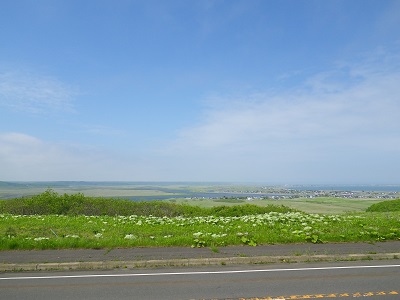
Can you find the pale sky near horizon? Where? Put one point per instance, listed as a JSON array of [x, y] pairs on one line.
[[270, 91]]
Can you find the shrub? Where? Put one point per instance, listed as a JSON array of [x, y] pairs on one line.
[[48, 202], [52, 203], [385, 206]]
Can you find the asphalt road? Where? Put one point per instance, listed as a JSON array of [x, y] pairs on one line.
[[372, 279]]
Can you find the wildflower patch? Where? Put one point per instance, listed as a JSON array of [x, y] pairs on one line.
[[60, 231]]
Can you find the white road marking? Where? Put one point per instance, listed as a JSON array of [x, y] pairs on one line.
[[195, 273]]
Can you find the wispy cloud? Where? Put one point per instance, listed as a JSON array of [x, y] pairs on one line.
[[326, 111], [101, 130], [344, 118], [338, 126], [25, 157], [30, 92]]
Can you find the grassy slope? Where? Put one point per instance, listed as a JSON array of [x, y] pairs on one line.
[[120, 191], [324, 205], [216, 226], [315, 205], [385, 206], [53, 203]]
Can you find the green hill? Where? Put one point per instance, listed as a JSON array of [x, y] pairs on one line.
[[385, 206]]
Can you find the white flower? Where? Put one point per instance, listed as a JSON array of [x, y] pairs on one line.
[[98, 235], [214, 235], [72, 236], [130, 237], [38, 239], [197, 234]]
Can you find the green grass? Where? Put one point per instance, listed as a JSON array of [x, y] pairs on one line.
[[384, 206], [13, 190], [53, 221], [58, 232], [50, 202], [321, 205]]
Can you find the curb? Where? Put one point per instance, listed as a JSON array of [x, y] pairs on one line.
[[104, 265]]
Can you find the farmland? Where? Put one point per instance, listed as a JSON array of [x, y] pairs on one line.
[[320, 205]]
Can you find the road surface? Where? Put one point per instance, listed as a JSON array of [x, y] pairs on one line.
[[344, 280]]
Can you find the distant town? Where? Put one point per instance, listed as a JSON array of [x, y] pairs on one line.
[[142, 191], [283, 193]]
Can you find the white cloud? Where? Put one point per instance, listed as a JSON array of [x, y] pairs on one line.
[[30, 92], [24, 157], [101, 130], [341, 125]]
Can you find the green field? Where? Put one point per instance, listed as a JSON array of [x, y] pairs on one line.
[[320, 205], [171, 192], [59, 221], [13, 191], [58, 232]]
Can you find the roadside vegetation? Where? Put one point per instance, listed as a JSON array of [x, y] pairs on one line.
[[52, 203], [53, 221]]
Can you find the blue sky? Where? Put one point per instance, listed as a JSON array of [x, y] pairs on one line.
[[246, 91]]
